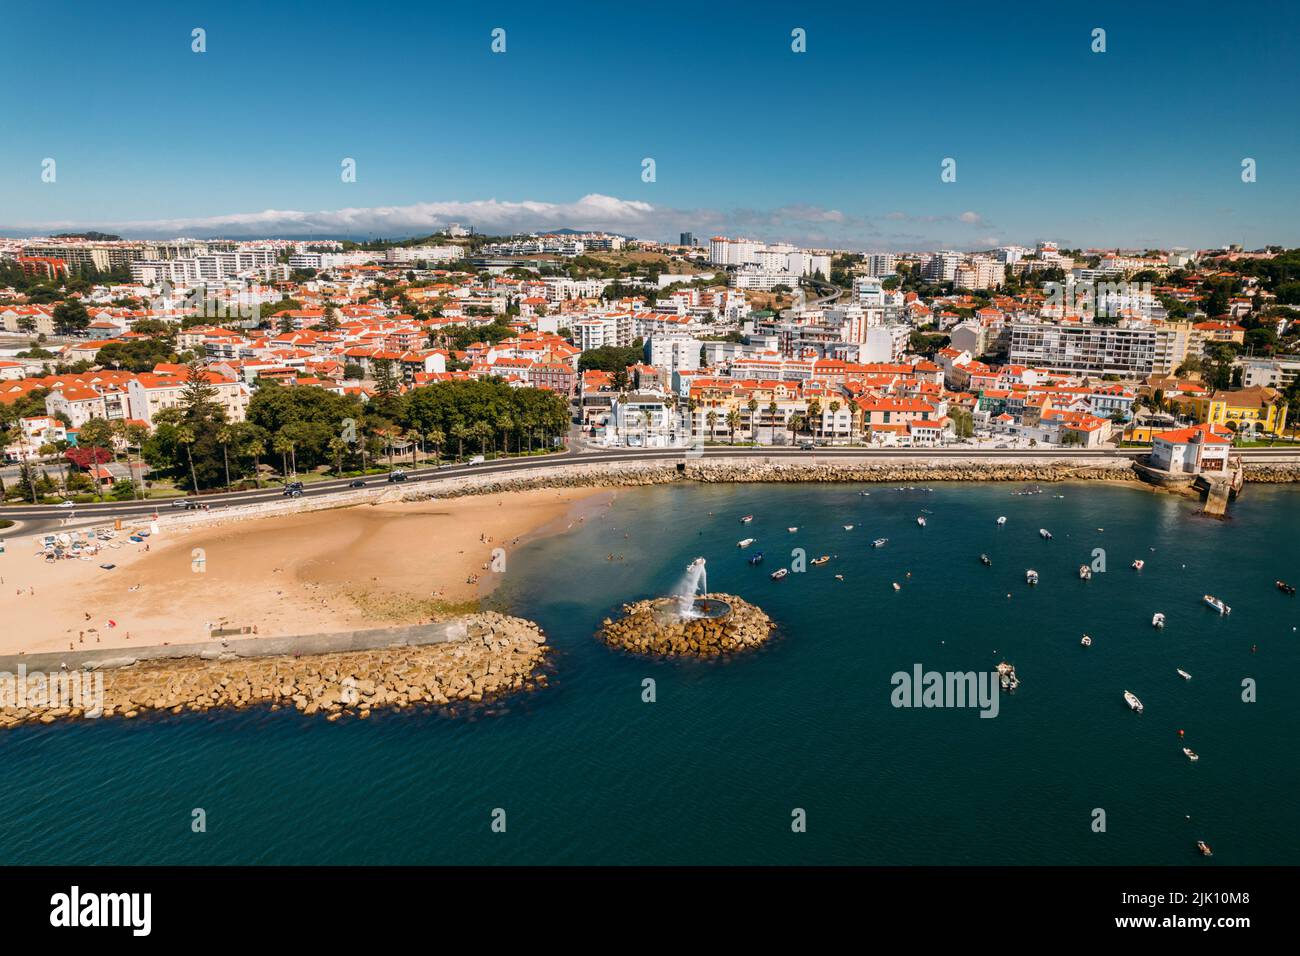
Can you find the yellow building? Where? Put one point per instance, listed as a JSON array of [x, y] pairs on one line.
[[1259, 410]]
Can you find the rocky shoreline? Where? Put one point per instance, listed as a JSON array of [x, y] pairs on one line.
[[499, 655], [652, 627]]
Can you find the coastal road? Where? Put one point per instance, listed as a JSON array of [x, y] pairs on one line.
[[44, 518]]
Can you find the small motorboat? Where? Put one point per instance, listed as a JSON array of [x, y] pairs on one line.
[[986, 561], [1045, 534], [1284, 587], [880, 542], [757, 558], [1134, 704], [744, 542], [848, 527], [1204, 848], [1191, 754], [792, 530], [1002, 519], [1085, 573], [920, 519], [896, 587], [1215, 603], [839, 577], [746, 519], [779, 573], [1183, 674], [1157, 620], [1086, 641], [1031, 576], [822, 560], [1138, 564]]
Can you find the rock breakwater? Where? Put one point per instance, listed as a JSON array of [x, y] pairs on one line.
[[654, 627], [498, 655]]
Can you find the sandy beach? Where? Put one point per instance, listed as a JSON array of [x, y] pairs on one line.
[[334, 570]]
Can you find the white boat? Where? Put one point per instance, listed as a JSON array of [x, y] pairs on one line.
[[896, 587], [779, 573], [880, 542], [920, 519], [1157, 620], [746, 519], [1204, 848], [1086, 641], [744, 542], [792, 530], [1085, 573], [1002, 519], [1044, 533], [1191, 754], [1215, 603], [1031, 576], [1183, 674], [848, 527], [1138, 564], [822, 560], [1130, 698]]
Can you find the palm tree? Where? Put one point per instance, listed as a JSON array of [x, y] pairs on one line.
[[256, 447], [460, 432], [733, 420], [338, 448], [225, 435], [752, 405], [645, 428], [416, 438], [712, 419], [437, 439], [506, 424], [282, 446], [483, 431], [814, 416], [185, 436], [771, 422], [835, 410], [795, 424]]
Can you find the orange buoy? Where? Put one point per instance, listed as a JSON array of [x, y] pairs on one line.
[[1180, 733]]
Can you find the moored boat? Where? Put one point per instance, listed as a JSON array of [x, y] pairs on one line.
[[746, 519], [1086, 641], [920, 519], [1044, 534], [1204, 848], [1284, 587], [1134, 704], [880, 542], [1157, 620], [822, 560], [1002, 519], [1215, 603], [848, 527], [1191, 754], [1085, 573], [1031, 576], [779, 573], [1183, 674], [986, 560], [757, 558], [1138, 564], [744, 542]]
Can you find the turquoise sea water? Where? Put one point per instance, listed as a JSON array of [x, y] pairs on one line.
[[711, 771]]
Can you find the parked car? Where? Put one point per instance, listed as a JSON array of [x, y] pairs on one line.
[[357, 483]]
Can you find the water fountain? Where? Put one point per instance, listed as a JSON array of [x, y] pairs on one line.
[[690, 607]]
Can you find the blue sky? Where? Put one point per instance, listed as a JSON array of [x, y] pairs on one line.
[[1138, 146]]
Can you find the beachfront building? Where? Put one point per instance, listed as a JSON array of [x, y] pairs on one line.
[[1247, 412], [1200, 449], [640, 420]]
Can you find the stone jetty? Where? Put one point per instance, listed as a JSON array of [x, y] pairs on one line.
[[497, 655], [654, 627]]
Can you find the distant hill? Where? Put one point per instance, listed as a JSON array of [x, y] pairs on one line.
[[92, 236]]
